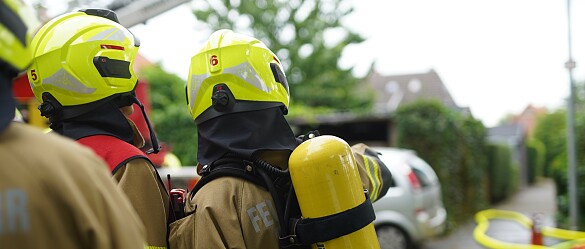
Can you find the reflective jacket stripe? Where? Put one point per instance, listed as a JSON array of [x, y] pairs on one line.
[[372, 168]]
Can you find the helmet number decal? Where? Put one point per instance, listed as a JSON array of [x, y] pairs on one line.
[[213, 60], [33, 74]]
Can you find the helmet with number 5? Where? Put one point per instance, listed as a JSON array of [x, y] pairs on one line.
[[83, 57], [83, 60], [234, 73]]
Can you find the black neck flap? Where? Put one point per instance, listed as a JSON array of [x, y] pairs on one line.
[[244, 133], [106, 119]]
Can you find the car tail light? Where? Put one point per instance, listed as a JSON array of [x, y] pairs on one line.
[[413, 180]]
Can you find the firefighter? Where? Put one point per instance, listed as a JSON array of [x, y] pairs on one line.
[[238, 95], [82, 74], [54, 193]]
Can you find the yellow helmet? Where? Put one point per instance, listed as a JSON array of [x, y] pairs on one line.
[[17, 25], [83, 57], [234, 73]]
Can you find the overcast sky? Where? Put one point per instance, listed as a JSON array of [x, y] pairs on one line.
[[494, 56]]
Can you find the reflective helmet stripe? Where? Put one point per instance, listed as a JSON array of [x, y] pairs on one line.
[[112, 34], [62, 79], [246, 72]]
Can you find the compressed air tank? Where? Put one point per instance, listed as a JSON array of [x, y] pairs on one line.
[[326, 179]]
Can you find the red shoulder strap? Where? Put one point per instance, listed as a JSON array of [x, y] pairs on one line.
[[111, 149]]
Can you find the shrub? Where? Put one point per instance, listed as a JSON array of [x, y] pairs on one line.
[[454, 145]]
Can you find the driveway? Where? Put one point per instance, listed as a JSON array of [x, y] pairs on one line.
[[539, 198]]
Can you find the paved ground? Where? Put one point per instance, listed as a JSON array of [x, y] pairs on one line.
[[539, 198]]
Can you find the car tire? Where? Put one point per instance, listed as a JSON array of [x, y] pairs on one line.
[[392, 237]]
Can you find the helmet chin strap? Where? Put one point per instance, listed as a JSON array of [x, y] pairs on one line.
[[155, 147]]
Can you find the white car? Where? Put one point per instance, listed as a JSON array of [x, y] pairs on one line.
[[184, 177], [412, 210]]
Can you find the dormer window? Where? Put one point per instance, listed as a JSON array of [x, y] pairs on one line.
[[414, 85], [392, 87]]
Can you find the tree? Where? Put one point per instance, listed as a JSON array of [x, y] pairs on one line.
[[552, 131], [299, 32], [170, 113]]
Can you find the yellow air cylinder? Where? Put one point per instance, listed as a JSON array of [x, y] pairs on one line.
[[325, 176]]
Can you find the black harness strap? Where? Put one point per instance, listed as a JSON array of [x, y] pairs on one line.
[[313, 230], [228, 167]]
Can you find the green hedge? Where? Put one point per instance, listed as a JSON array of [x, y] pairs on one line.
[[560, 175], [551, 130], [500, 172], [535, 151], [454, 145]]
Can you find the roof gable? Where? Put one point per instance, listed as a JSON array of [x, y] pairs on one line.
[[395, 90]]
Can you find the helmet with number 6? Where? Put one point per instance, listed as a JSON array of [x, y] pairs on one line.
[[234, 73]]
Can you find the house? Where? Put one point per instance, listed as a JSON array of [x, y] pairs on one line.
[[395, 90], [376, 128], [513, 136], [528, 118], [514, 133]]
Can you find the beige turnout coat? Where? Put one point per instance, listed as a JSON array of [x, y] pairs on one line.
[[234, 213], [138, 179], [55, 193]]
